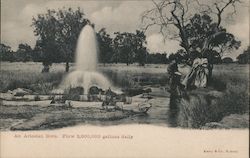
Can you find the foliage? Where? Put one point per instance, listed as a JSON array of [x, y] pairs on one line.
[[106, 54], [157, 58], [201, 27], [24, 53], [244, 58], [204, 105], [58, 32], [129, 47], [6, 54], [198, 32], [38, 55], [195, 30], [73, 93], [140, 49], [105, 46], [37, 98]]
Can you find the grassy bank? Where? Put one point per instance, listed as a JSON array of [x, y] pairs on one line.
[[35, 81], [228, 94]]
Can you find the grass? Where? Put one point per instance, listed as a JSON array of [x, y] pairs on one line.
[[228, 94], [28, 75], [236, 94], [35, 81], [130, 79], [200, 107]]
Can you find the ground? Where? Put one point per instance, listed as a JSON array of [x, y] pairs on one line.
[[230, 79]]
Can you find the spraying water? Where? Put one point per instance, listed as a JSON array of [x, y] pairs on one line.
[[86, 51], [86, 74]]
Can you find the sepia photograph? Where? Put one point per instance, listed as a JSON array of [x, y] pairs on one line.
[[70, 67]]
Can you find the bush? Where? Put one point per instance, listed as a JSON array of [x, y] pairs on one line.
[[197, 109], [37, 98], [73, 93], [205, 105]]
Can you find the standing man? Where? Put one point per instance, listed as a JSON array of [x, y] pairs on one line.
[[172, 68], [174, 78]]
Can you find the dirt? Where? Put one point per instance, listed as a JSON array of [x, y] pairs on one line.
[[38, 118], [236, 121], [231, 121]]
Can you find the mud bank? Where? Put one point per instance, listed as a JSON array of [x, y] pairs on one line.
[[38, 118]]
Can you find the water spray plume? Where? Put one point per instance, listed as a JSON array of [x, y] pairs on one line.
[[86, 75]]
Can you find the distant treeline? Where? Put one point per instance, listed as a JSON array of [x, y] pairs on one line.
[[25, 53]]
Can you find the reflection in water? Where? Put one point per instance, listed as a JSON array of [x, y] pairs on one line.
[[172, 112], [157, 115]]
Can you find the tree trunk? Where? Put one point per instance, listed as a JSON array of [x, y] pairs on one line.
[[67, 67]]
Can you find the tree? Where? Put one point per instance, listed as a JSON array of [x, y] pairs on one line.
[[105, 46], [70, 25], [244, 58], [57, 32], [141, 56], [123, 45], [37, 54], [172, 18], [139, 46], [200, 27], [6, 54], [180, 56], [23, 53], [157, 58], [130, 47], [46, 28]]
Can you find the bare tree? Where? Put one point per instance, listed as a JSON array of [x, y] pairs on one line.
[[172, 17]]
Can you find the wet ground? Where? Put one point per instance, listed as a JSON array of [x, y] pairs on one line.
[[157, 115], [28, 117]]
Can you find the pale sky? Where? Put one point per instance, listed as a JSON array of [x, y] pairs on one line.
[[114, 15]]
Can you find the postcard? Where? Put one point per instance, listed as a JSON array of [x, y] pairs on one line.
[[124, 78]]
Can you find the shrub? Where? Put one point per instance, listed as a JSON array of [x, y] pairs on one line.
[[37, 98], [196, 110], [204, 105], [73, 93]]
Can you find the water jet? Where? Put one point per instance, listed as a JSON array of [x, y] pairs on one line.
[[86, 75]]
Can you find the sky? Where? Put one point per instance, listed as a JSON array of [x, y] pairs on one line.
[[114, 15]]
